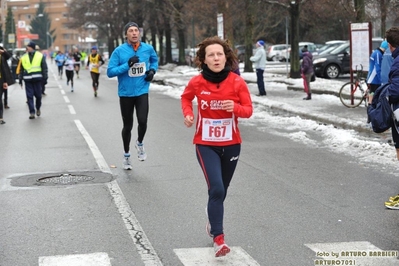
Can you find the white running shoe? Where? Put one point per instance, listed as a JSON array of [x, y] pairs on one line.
[[141, 154], [127, 165], [220, 248]]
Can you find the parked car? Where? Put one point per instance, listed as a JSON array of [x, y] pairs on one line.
[[274, 52], [286, 54], [334, 63], [330, 44]]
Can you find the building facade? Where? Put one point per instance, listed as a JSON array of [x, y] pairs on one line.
[[58, 12]]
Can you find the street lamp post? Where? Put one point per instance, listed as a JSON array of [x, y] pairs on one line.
[[52, 41]]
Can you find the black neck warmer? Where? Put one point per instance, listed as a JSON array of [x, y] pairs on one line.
[[213, 77]]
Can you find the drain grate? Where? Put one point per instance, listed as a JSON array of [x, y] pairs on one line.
[[65, 179]]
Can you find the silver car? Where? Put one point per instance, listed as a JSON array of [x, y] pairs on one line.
[[274, 52]]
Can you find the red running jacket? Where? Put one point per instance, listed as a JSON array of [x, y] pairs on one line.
[[214, 126]]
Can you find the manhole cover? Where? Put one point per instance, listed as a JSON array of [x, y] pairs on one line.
[[61, 179], [65, 179]]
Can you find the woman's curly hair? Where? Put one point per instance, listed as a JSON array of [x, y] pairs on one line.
[[231, 58]]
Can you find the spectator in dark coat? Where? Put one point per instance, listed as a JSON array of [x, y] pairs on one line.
[[307, 71], [6, 79], [392, 36]]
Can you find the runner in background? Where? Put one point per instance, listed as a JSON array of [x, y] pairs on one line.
[[77, 56], [94, 62], [69, 68], [82, 60], [59, 60]]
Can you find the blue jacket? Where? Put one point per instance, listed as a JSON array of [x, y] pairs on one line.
[[132, 85], [386, 64], [394, 78], [374, 75], [59, 59]]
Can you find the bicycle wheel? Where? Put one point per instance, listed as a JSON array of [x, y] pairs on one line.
[[351, 94]]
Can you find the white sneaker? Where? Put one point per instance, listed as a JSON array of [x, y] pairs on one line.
[[140, 151], [127, 165]]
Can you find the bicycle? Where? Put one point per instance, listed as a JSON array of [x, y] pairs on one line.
[[352, 94]]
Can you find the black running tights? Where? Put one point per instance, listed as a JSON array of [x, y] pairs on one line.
[[128, 104], [95, 77]]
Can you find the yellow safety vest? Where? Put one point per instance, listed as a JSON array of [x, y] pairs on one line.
[[32, 70]]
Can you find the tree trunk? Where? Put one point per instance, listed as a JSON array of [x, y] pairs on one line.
[[294, 54], [181, 45], [383, 6], [161, 52], [249, 26], [168, 42], [360, 11]]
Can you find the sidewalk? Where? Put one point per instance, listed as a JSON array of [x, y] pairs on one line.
[[285, 94]]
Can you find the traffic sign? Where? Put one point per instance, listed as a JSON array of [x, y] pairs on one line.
[[21, 24]]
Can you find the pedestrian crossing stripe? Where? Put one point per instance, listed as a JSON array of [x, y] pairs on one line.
[[92, 259], [352, 253], [206, 256]]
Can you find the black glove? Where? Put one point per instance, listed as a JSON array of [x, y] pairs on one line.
[[150, 75], [133, 60]]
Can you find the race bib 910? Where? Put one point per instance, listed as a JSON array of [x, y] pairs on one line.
[[137, 70]]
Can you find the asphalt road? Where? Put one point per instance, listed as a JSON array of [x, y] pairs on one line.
[[286, 202]]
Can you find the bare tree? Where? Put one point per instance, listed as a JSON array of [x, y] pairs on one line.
[[293, 7], [360, 10], [249, 27]]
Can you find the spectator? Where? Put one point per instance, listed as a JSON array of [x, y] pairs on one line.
[[307, 71], [33, 70], [392, 37], [259, 60], [374, 75], [6, 79], [386, 64], [14, 63]]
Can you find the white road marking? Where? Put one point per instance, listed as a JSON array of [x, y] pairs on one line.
[[140, 240], [66, 99], [93, 259], [353, 253], [62, 92], [206, 256], [72, 110]]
